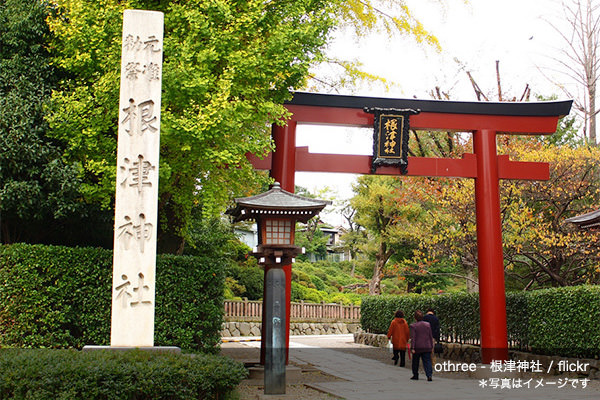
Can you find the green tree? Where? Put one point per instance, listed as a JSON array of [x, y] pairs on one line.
[[228, 67], [38, 191], [312, 238], [354, 236], [392, 223]]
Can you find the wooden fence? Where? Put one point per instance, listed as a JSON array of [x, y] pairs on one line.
[[249, 310]]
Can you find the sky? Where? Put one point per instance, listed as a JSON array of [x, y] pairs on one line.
[[472, 36]]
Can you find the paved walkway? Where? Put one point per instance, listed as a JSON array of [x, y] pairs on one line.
[[375, 380]]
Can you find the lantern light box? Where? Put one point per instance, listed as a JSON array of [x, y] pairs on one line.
[[276, 212]]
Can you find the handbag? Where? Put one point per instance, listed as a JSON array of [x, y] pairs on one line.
[[438, 348]]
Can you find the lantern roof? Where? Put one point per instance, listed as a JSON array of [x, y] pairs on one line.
[[584, 221], [277, 202]]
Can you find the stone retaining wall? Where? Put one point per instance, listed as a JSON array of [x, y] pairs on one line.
[[471, 354], [296, 328]]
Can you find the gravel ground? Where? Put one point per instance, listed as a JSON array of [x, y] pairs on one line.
[[252, 389]]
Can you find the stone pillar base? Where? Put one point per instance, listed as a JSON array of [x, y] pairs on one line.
[[159, 349]]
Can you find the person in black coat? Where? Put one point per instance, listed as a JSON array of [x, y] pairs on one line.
[[435, 327]]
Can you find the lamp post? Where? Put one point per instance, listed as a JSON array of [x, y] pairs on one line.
[[275, 212]]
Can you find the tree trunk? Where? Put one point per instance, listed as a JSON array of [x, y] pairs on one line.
[[381, 258], [375, 283], [591, 66], [592, 91], [472, 287]]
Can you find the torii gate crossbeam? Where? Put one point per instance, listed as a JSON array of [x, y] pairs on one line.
[[485, 120]]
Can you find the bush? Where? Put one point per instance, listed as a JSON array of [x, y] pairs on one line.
[[318, 282], [298, 292], [302, 277], [60, 297], [558, 321], [517, 319], [189, 302], [564, 321], [105, 374], [250, 276], [378, 311]]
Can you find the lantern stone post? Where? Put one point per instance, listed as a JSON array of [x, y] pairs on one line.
[[276, 212]]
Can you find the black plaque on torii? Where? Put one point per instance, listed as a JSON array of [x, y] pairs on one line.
[[390, 137]]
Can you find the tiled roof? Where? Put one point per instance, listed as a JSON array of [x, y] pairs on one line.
[[277, 199], [588, 220]]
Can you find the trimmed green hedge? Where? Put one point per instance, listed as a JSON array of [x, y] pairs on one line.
[[458, 313], [60, 297], [96, 375], [565, 321], [561, 321]]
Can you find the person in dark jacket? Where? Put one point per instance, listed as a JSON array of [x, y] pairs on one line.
[[421, 345], [399, 333], [435, 325]]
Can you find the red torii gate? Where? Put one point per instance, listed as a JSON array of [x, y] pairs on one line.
[[484, 119]]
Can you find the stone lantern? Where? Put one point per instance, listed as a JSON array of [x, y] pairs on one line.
[[275, 212]]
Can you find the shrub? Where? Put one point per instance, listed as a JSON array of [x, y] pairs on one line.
[[344, 298], [558, 321], [318, 282], [302, 278], [378, 311], [105, 374], [313, 295], [60, 297], [298, 292], [564, 321], [458, 313], [517, 319], [250, 276], [52, 296], [233, 289], [189, 302]]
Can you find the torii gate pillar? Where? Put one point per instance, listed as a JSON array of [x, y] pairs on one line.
[[484, 120], [492, 298]]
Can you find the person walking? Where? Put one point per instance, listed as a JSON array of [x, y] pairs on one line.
[[399, 333], [435, 328], [421, 345]]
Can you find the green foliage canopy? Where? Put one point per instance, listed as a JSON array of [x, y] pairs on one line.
[[392, 214], [36, 186], [228, 67]]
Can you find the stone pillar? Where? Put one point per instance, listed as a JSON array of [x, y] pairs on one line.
[[283, 171], [136, 207], [274, 331]]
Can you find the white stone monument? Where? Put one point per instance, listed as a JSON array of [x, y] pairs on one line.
[[136, 207]]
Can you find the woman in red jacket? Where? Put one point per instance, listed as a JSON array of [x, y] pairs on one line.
[[399, 334]]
